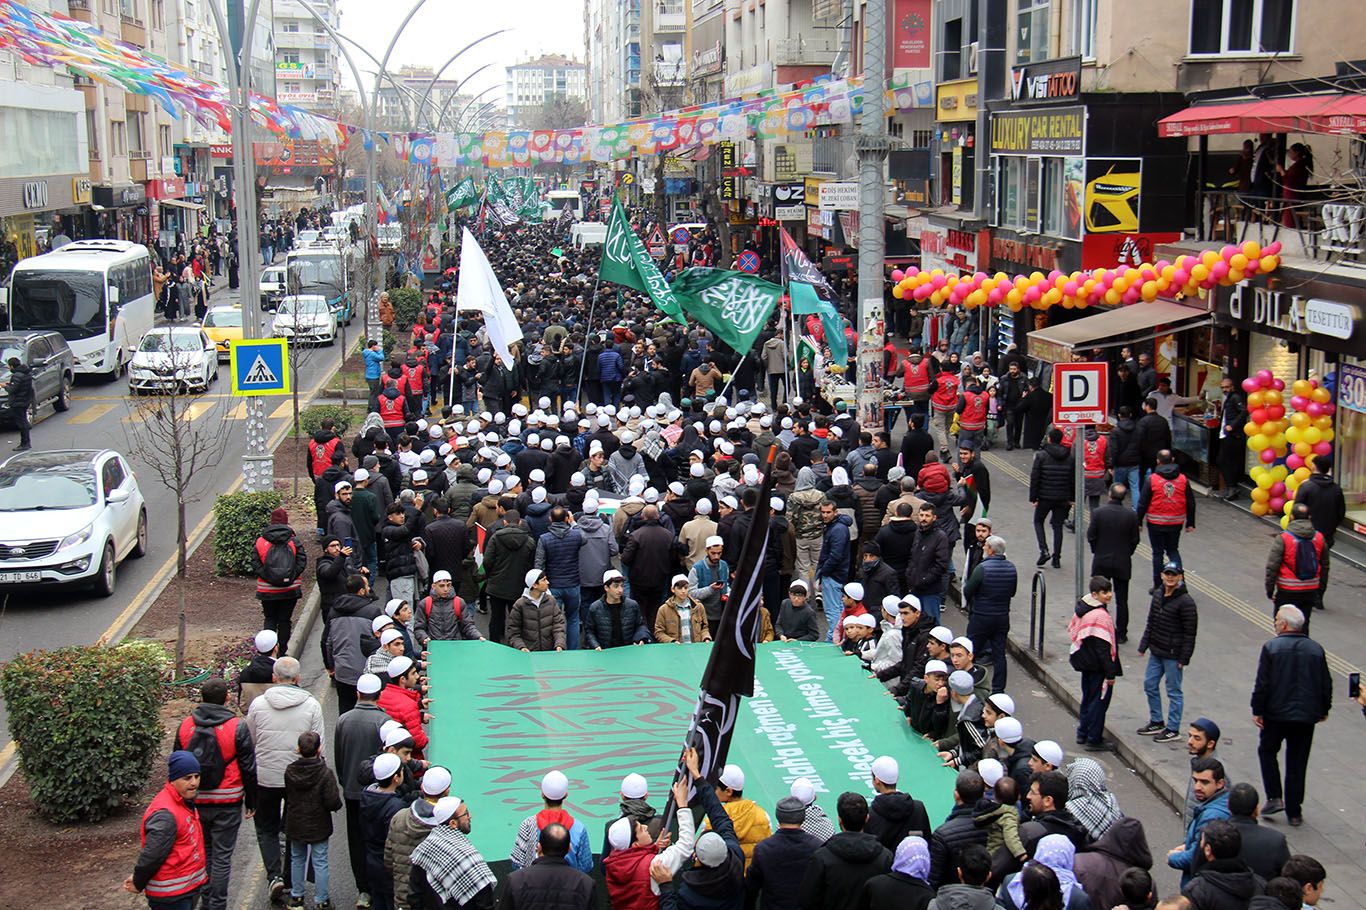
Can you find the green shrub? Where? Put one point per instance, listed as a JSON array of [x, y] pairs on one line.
[[387, 342], [238, 520], [311, 418], [407, 306], [87, 724]]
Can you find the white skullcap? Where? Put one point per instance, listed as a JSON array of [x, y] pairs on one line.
[[513, 482], [651, 411], [421, 424], [361, 475], [341, 485], [519, 409], [555, 786], [964, 642], [936, 666], [1009, 730], [627, 437], [854, 590], [704, 507], [379, 622], [486, 416], [677, 578], [385, 727], [751, 474], [538, 494], [389, 635], [730, 502], [714, 426], [396, 736], [472, 427], [532, 576], [536, 476], [590, 503], [891, 604], [435, 431], [427, 456], [942, 634], [604, 420], [441, 575], [960, 681], [886, 770], [991, 771], [610, 575], [836, 432], [677, 488], [766, 421], [798, 583], [484, 475], [514, 427], [787, 423], [368, 684], [727, 447], [1049, 751], [543, 402], [633, 786], [636, 485], [533, 440], [777, 504], [733, 777], [500, 417], [577, 479], [442, 812], [495, 487], [1002, 702], [696, 469], [865, 619], [386, 765], [804, 790], [503, 459], [715, 541], [419, 475], [546, 444], [619, 833], [651, 495], [265, 641], [399, 665], [912, 601]]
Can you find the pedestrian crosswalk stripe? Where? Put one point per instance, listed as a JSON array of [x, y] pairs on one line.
[[93, 413], [237, 413], [284, 409], [196, 409]]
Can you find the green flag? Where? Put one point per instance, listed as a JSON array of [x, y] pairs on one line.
[[626, 261], [461, 195], [805, 300], [734, 305]]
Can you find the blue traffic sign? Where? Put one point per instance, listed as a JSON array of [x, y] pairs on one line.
[[748, 262], [260, 366]]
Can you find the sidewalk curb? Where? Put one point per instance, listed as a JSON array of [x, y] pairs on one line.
[[304, 626], [1059, 689]]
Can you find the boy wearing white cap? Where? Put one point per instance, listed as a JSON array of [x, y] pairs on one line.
[[894, 815], [355, 740], [554, 789], [695, 531], [635, 790], [796, 616], [681, 619], [378, 805], [851, 596], [816, 823], [709, 579], [255, 678], [535, 621], [927, 701], [963, 747]]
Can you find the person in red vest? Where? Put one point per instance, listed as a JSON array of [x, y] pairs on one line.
[[1296, 565], [170, 869], [1168, 502], [1094, 448], [973, 405], [321, 447], [220, 801], [917, 373], [392, 407], [943, 403]]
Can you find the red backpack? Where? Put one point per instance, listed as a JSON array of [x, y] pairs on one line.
[[427, 606]]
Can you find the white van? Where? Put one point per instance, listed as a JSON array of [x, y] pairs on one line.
[[588, 233], [96, 293], [559, 201]]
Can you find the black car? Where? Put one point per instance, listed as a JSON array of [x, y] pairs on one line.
[[52, 364]]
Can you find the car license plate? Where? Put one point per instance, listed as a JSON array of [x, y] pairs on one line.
[[19, 577]]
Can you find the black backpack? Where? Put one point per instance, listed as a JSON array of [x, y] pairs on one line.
[[277, 566], [205, 746]]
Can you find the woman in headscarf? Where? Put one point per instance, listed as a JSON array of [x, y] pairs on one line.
[[1088, 797], [1057, 853], [906, 887], [364, 443]]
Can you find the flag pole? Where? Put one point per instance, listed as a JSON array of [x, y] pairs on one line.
[[587, 328]]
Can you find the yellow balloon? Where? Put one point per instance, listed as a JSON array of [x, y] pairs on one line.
[[1326, 435], [1303, 449], [1013, 297], [1271, 397], [1258, 442], [1255, 401], [1234, 276], [1294, 434], [1302, 474], [1237, 262], [1323, 423], [1252, 249], [1299, 420], [1261, 493], [1250, 428], [1280, 472], [1321, 395], [897, 292], [1259, 508], [1149, 290], [1311, 435], [1200, 272], [1270, 428], [1301, 387], [1264, 482], [1285, 519], [1270, 263], [1112, 296], [1279, 442]]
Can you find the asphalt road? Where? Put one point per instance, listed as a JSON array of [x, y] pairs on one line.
[[101, 415]]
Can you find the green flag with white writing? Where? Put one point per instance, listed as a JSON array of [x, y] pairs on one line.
[[734, 305], [461, 195], [626, 261]]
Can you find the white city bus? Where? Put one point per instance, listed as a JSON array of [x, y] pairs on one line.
[[96, 293]]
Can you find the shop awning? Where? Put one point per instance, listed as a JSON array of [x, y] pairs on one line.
[[182, 204], [1113, 328], [1335, 113]]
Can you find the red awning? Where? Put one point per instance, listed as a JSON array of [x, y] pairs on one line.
[[1337, 113]]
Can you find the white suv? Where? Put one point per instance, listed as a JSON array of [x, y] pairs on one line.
[[69, 517]]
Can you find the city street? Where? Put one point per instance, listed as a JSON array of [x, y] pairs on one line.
[[101, 416]]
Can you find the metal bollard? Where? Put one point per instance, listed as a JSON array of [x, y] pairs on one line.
[[1038, 611]]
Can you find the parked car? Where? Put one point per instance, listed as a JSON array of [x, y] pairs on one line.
[[173, 354], [52, 364], [307, 317], [272, 286], [306, 238], [69, 517], [223, 325]]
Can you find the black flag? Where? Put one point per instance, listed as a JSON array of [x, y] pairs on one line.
[[729, 675]]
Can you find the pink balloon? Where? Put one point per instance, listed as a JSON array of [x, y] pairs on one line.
[[1323, 448], [1268, 456], [1314, 409], [1294, 463], [996, 296], [1299, 402], [1272, 248], [1277, 504], [1133, 295], [897, 274], [1264, 377], [1253, 267], [1053, 276], [1218, 271], [912, 271], [1278, 385], [1181, 277], [938, 281], [1071, 289], [1250, 384], [978, 277], [1032, 294], [1277, 489], [1228, 252], [1326, 408]]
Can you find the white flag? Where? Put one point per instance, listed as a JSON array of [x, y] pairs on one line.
[[479, 290]]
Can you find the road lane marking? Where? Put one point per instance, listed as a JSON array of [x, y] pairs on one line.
[[1259, 618], [284, 409], [93, 413], [237, 413]]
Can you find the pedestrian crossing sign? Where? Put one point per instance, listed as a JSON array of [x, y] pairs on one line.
[[260, 366]]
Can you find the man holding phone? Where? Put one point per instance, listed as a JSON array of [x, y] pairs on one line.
[[709, 580]]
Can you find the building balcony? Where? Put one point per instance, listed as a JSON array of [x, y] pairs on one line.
[[803, 51], [137, 166], [133, 31], [296, 39], [666, 73], [80, 10], [670, 16]]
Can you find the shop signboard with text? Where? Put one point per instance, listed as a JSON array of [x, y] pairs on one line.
[[1047, 80], [909, 34], [1316, 312], [1042, 131]]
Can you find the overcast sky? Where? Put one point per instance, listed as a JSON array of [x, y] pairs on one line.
[[441, 27]]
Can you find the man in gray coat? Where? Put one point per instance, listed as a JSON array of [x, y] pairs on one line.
[[600, 547], [358, 739]]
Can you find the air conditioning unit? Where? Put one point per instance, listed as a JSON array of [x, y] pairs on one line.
[[972, 58]]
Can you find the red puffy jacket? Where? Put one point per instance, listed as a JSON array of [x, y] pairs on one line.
[[405, 706], [628, 878]]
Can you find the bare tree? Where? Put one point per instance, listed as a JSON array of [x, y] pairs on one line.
[[180, 444]]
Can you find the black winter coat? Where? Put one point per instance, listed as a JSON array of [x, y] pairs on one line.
[[895, 538], [1327, 506], [1293, 683], [894, 815], [1172, 622], [1124, 450], [1052, 476], [653, 553], [879, 580], [896, 891], [598, 627], [1154, 435], [312, 793], [396, 559], [549, 883], [776, 869], [20, 388], [1098, 869], [1113, 536], [948, 841], [1223, 884], [838, 871], [445, 539], [928, 567], [509, 555], [1094, 654]]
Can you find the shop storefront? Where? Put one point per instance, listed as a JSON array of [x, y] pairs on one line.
[[121, 211], [30, 215], [175, 219], [955, 143]]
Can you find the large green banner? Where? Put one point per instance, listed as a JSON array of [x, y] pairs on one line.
[[503, 718]]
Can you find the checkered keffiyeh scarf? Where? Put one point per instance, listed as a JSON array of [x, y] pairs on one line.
[[454, 867]]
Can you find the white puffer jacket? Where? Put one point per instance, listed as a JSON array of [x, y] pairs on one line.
[[275, 720]]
